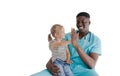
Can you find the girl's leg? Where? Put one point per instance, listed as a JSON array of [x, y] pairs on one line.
[[67, 70], [58, 64]]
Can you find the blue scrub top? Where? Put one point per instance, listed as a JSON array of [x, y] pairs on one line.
[[90, 44]]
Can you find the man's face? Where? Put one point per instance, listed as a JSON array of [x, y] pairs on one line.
[[82, 24]]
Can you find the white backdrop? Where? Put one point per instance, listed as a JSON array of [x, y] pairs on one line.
[[25, 24]]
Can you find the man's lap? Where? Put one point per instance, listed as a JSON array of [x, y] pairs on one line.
[[87, 73], [47, 73], [42, 73]]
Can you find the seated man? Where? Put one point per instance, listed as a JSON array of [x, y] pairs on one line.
[[84, 50]]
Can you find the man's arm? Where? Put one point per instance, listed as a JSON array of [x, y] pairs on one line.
[[89, 60], [52, 68]]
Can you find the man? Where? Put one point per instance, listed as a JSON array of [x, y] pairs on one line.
[[85, 49]]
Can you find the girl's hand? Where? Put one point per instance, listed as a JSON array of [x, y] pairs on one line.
[[69, 61]]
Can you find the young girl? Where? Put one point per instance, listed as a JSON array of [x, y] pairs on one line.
[[59, 49]]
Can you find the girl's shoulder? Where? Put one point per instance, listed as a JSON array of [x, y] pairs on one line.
[[52, 42]]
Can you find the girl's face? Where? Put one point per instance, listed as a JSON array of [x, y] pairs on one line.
[[61, 33]]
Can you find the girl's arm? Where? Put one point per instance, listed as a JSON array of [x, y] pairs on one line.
[[65, 43], [68, 42]]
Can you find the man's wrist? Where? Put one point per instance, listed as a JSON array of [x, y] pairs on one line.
[[76, 46]]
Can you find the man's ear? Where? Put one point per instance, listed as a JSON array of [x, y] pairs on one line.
[[89, 22]]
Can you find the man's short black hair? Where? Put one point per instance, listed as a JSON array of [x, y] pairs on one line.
[[83, 14]]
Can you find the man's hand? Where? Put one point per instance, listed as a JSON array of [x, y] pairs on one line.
[[52, 68], [74, 37]]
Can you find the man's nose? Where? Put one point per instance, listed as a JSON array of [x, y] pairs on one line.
[[80, 24]]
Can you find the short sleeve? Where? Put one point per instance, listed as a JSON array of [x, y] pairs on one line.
[[96, 47]]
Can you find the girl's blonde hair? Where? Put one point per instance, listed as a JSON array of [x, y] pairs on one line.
[[55, 29]]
